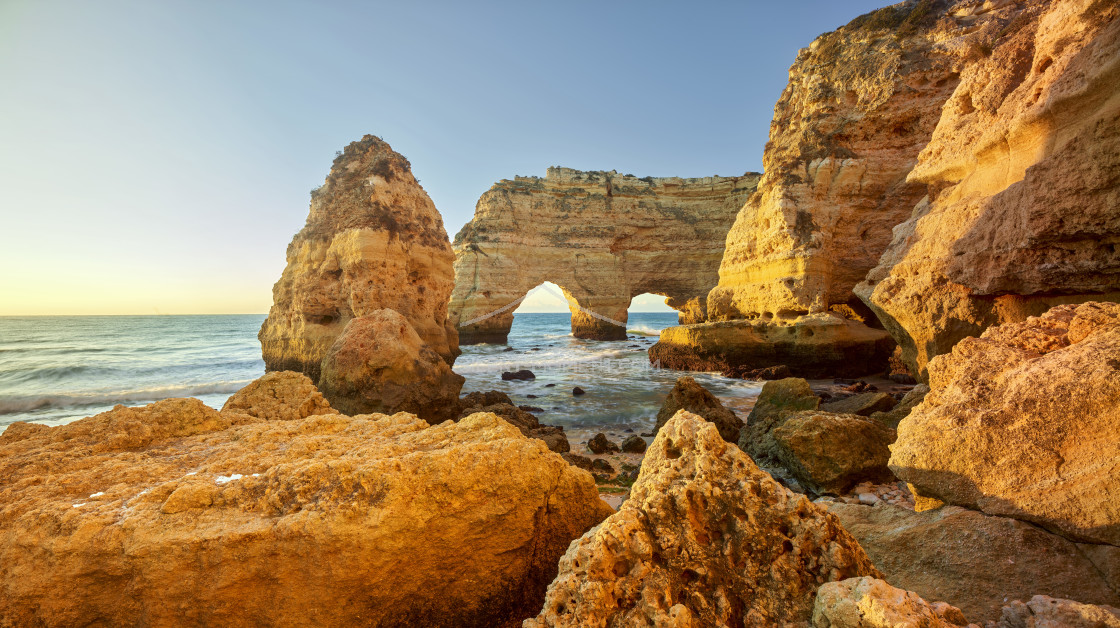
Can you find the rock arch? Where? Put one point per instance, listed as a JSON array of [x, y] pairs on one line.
[[604, 237]]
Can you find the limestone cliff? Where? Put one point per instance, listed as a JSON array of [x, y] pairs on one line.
[[1023, 172], [603, 237], [175, 514], [373, 240]]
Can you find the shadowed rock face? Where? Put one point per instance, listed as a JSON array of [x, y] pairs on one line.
[[603, 237], [373, 240], [1023, 171], [175, 514]]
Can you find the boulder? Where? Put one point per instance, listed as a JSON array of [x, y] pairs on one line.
[[634, 445], [603, 237], [174, 513], [901, 410], [872, 603], [279, 396], [373, 240], [830, 453], [1025, 422], [600, 444], [810, 345], [379, 364], [971, 560], [688, 395], [777, 400], [705, 539], [523, 374], [576, 460], [528, 424], [863, 404], [1046, 612], [577, 391]]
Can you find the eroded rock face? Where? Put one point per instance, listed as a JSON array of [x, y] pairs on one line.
[[688, 395], [603, 237], [175, 513], [1025, 422], [705, 539], [279, 396], [1024, 174], [776, 402], [379, 364], [373, 240], [971, 560], [872, 603]]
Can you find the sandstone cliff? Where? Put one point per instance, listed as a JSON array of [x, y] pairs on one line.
[[175, 514], [603, 237], [1023, 172], [373, 240]]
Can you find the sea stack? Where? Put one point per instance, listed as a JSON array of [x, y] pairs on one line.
[[373, 241], [603, 237], [861, 103]]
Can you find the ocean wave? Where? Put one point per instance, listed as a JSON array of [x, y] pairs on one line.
[[643, 330], [14, 404], [544, 361], [46, 373]]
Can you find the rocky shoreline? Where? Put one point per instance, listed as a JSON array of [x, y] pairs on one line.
[[923, 282]]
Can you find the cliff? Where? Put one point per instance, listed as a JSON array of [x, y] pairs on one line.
[[373, 240], [1023, 172], [603, 237]]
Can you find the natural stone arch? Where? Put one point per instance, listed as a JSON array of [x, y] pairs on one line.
[[604, 237]]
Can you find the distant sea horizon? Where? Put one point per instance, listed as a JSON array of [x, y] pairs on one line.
[[57, 368]]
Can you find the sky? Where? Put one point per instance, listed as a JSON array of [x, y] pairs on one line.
[[156, 157]]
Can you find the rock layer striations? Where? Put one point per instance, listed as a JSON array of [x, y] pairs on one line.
[[603, 237]]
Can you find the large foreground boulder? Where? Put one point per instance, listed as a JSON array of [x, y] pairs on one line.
[[174, 514], [688, 395], [1025, 422], [872, 603], [380, 364], [705, 539], [971, 560]]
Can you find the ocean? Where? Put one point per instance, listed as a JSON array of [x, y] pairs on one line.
[[57, 369]]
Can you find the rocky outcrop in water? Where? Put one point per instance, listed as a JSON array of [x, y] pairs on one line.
[[1024, 422], [175, 514], [1023, 173], [971, 560], [603, 237], [705, 539], [373, 241]]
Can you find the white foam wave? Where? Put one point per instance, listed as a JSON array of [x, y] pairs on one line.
[[643, 330], [14, 404], [543, 361]]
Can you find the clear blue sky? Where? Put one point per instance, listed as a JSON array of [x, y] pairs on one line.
[[157, 156]]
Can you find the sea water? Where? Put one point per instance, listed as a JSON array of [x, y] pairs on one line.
[[57, 369]]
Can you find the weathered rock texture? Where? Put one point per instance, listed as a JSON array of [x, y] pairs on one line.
[[688, 395], [373, 240], [1046, 612], [379, 364], [1025, 422], [971, 560], [871, 603], [705, 539], [279, 396], [603, 237], [499, 403], [860, 105], [1023, 172], [830, 453], [175, 514], [776, 402]]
